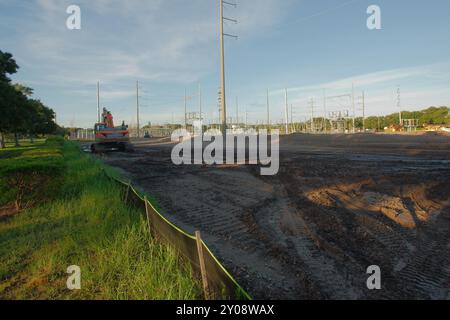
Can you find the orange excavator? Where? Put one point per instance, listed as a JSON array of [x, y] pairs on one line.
[[108, 137]]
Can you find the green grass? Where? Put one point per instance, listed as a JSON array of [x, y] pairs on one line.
[[24, 143], [83, 222]]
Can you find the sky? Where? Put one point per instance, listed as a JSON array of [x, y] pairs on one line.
[[312, 48]]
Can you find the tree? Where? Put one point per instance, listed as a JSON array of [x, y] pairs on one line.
[[40, 119], [20, 113], [26, 91], [13, 106], [7, 66]]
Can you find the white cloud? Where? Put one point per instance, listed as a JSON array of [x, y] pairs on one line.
[[374, 78], [421, 86], [157, 41], [121, 40]]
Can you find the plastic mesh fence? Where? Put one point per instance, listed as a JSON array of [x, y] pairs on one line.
[[221, 284]]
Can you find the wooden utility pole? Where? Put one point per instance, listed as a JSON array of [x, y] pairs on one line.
[[223, 108], [268, 110], [223, 111], [312, 116], [286, 111], [353, 107], [246, 118], [292, 122], [237, 111], [364, 111], [98, 101], [324, 111], [185, 108], [200, 101], [399, 107], [137, 109]]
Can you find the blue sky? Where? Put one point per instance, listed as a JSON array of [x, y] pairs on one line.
[[307, 46]]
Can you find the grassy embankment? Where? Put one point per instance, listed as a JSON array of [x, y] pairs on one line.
[[71, 214]]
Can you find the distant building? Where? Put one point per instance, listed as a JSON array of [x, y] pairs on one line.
[[434, 127], [394, 128]]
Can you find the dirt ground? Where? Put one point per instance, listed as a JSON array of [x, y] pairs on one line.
[[339, 204]]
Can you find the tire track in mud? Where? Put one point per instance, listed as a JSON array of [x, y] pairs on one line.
[[413, 278], [312, 230]]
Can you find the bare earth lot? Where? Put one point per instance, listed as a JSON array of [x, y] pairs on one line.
[[338, 205]]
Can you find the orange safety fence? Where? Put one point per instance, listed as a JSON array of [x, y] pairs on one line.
[[217, 281]]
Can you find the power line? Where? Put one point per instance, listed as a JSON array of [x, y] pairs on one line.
[[325, 11]]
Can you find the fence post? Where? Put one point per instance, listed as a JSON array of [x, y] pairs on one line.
[[201, 260], [148, 215], [128, 191]]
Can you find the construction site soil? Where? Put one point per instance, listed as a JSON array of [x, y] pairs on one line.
[[339, 204]]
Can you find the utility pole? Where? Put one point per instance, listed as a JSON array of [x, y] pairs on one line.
[[399, 106], [353, 107], [286, 111], [237, 111], [364, 111], [137, 108], [200, 101], [185, 108], [312, 116], [246, 116], [324, 111], [292, 122], [98, 101], [223, 111], [268, 110]]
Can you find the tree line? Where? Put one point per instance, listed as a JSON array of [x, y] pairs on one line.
[[431, 115], [20, 114]]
